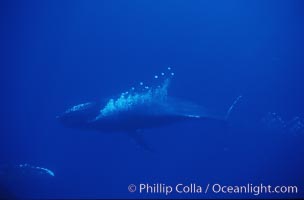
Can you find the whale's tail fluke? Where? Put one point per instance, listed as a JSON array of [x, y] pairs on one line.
[[232, 107]]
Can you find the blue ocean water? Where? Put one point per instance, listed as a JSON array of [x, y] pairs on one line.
[[57, 54]]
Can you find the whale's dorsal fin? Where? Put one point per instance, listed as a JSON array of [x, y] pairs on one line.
[[232, 107]]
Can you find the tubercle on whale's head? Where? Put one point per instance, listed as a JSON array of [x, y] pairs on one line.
[[78, 115]]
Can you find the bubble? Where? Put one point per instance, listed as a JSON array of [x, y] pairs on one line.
[[139, 94]]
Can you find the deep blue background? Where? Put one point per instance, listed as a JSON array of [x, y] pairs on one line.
[[55, 54]]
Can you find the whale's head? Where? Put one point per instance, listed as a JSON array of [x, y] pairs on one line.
[[79, 115], [136, 104]]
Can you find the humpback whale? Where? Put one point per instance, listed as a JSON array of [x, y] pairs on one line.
[[20, 180], [23, 170], [137, 109]]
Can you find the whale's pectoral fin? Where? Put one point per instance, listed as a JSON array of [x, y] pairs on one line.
[[138, 138]]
